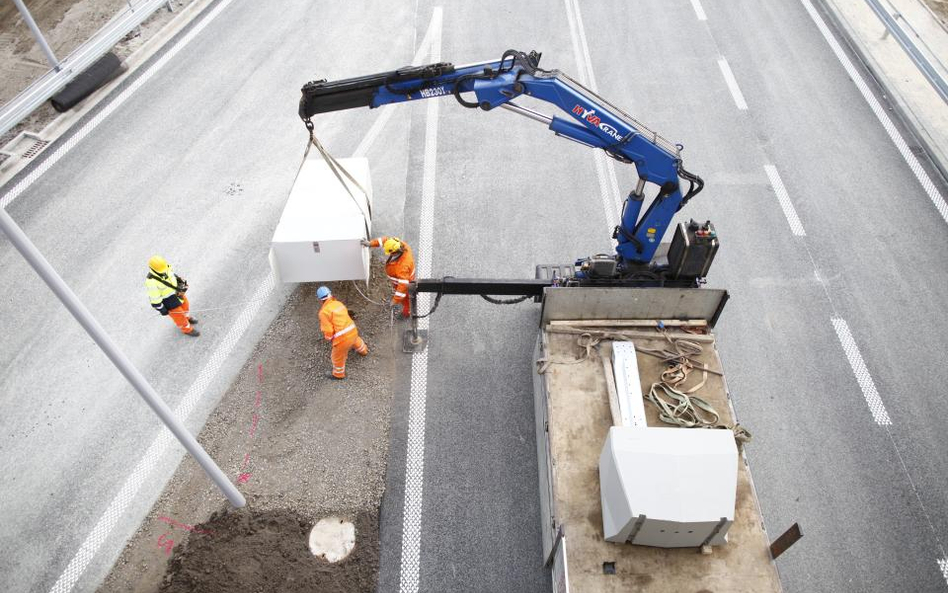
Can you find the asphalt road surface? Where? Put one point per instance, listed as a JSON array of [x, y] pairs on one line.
[[844, 269]]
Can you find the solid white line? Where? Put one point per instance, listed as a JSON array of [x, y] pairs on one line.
[[699, 10], [788, 210], [605, 171], [732, 84], [418, 395], [106, 111], [937, 199], [862, 373], [153, 454]]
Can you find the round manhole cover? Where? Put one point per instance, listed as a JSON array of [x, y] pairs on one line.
[[332, 538]]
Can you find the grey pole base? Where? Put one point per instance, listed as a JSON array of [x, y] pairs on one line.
[[414, 340]]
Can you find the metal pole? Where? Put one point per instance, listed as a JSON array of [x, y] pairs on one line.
[[38, 35], [33, 256]]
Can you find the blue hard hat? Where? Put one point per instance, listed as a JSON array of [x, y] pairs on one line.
[[323, 293]]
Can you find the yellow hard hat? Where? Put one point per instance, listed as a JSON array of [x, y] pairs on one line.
[[391, 246], [158, 264]]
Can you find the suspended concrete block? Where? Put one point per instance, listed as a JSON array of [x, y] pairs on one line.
[[318, 236]]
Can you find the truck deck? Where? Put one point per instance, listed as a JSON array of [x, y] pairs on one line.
[[573, 419]]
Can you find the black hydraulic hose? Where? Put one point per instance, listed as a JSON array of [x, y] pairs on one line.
[[696, 184]]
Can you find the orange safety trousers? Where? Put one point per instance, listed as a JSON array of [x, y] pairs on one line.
[[404, 301], [340, 351], [180, 316]]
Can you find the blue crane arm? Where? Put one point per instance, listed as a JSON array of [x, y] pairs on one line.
[[593, 121]]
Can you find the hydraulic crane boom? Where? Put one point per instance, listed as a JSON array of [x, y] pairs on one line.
[[594, 122]]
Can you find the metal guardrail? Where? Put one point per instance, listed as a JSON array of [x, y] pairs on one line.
[[75, 63], [920, 60]]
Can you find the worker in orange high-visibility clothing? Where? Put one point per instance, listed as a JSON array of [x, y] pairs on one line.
[[400, 268], [166, 293], [337, 325]]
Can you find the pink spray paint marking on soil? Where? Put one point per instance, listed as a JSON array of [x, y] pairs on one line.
[[253, 425], [166, 543], [244, 478], [259, 399]]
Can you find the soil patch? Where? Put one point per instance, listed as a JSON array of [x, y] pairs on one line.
[[267, 551], [940, 8], [299, 446]]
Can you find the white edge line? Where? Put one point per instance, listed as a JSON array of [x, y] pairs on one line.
[[699, 10], [417, 399], [866, 384], [927, 184], [732, 84], [784, 198]]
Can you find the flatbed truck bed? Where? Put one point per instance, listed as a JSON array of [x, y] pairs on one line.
[[573, 418]]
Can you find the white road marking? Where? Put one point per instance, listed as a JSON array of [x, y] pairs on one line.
[[418, 395], [732, 84], [862, 373], [605, 171], [153, 454], [64, 148], [943, 565], [788, 210], [699, 10], [927, 184]]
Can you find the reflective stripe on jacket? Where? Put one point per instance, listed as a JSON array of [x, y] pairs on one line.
[[161, 295], [334, 320]]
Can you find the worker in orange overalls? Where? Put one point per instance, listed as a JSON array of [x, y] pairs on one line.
[[337, 325], [400, 268], [166, 293]]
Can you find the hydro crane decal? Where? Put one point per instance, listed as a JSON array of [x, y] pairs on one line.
[[594, 120]]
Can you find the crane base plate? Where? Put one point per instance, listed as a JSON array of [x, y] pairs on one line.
[[412, 342]]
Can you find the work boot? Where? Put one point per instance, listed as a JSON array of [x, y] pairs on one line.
[[193, 333], [193, 320], [333, 377]]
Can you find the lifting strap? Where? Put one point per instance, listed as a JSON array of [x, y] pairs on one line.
[[338, 170]]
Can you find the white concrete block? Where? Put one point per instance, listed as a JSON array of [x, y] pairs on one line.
[[668, 487], [318, 236]]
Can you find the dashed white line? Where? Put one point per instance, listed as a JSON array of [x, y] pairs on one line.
[[732, 84], [861, 372], [417, 399], [927, 184], [106, 111], [788, 210], [699, 10], [943, 565]]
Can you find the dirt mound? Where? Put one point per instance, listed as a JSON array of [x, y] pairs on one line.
[[263, 551]]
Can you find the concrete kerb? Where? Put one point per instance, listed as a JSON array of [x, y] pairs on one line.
[[936, 155], [57, 128]]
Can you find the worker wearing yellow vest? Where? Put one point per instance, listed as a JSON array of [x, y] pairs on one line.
[[400, 268], [337, 325], [166, 293]]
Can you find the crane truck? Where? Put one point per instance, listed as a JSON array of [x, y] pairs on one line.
[[629, 493]]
